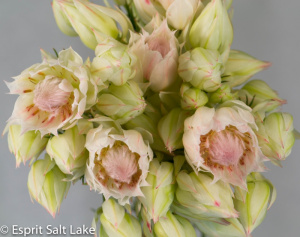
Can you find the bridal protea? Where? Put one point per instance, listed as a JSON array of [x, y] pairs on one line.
[[118, 162], [222, 142], [157, 54], [52, 94]]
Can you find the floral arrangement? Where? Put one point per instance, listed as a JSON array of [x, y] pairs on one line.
[[163, 122]]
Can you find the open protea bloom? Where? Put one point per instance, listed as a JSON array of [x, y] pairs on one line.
[[158, 55], [118, 162], [222, 142], [53, 94]]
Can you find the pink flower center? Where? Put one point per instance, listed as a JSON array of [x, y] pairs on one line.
[[227, 148], [48, 96], [117, 166], [120, 164], [159, 44]]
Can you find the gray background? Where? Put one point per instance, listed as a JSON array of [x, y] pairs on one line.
[[266, 29]]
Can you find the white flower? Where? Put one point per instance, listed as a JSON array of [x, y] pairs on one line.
[[222, 142], [53, 94], [118, 162], [158, 55]]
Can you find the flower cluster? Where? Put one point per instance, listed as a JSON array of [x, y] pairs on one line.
[[162, 120]]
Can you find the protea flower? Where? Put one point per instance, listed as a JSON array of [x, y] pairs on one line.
[[53, 94], [222, 142], [118, 162], [158, 54]]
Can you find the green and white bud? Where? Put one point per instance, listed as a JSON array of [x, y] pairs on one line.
[[240, 67], [202, 68], [62, 20], [259, 198], [212, 29], [222, 95], [26, 146], [121, 103], [171, 128], [146, 124], [276, 137], [191, 97], [233, 228], [112, 63], [117, 223], [174, 226], [69, 152], [145, 10], [257, 93], [46, 184], [86, 18], [159, 195], [199, 196]]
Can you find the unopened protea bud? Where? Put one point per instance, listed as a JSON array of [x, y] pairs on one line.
[[222, 95], [240, 67], [116, 222], [160, 194], [68, 151], [276, 137], [174, 226], [46, 184], [180, 13], [198, 195], [213, 29], [259, 198], [230, 228], [145, 10], [25, 146], [202, 68], [171, 128], [112, 63], [122, 103], [257, 93], [62, 20], [85, 18], [147, 123], [191, 97]]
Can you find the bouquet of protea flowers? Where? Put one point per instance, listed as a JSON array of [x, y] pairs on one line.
[[162, 122]]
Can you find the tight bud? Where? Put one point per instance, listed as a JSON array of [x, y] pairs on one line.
[[203, 198], [112, 63], [213, 29], [46, 185], [258, 92], [86, 18], [174, 226], [147, 123], [191, 97], [25, 146], [171, 128], [159, 196], [122, 103], [230, 228], [240, 67], [68, 151], [276, 137], [202, 68], [117, 223], [259, 198], [222, 95]]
